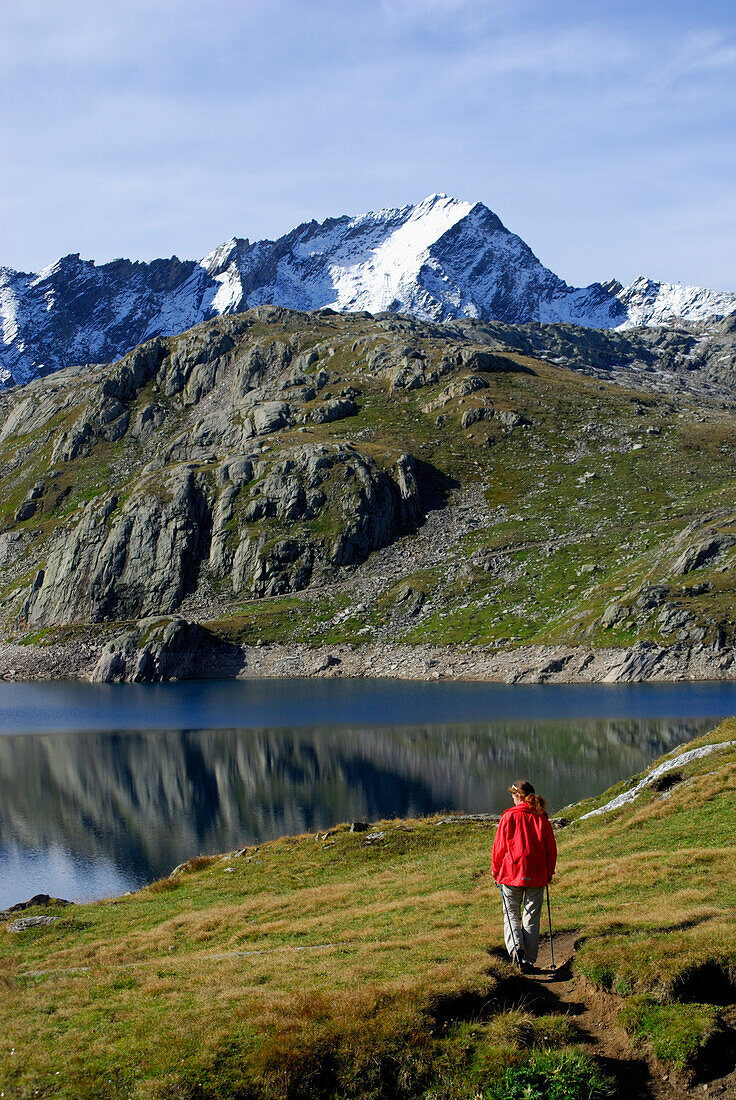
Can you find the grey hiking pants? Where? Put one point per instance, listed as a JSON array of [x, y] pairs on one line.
[[521, 916]]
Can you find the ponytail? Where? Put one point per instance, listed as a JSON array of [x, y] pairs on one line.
[[537, 803]]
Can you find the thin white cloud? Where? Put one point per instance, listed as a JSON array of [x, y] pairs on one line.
[[417, 9], [702, 53]]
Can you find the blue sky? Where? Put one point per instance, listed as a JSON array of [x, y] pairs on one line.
[[602, 133]]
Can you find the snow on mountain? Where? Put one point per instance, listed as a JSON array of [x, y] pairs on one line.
[[439, 260], [650, 303]]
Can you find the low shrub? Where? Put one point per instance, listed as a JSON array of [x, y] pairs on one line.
[[552, 1075]]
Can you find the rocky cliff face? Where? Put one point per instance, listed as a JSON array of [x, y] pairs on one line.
[[213, 504], [441, 259], [693, 358]]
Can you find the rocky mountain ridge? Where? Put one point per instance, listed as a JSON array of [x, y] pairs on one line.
[[439, 260]]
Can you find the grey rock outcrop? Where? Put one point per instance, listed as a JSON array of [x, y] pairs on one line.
[[368, 508], [475, 415], [337, 408], [161, 652], [703, 553], [230, 497], [24, 923], [510, 419], [459, 387], [128, 562], [270, 416], [31, 903]]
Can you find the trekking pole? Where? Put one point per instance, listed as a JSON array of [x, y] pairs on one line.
[[549, 919], [517, 949]]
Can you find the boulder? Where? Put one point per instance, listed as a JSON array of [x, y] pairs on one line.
[[165, 651], [24, 923], [111, 667], [26, 511], [459, 387], [36, 900], [651, 596], [329, 411], [271, 416], [703, 553], [475, 415], [410, 600], [613, 614], [510, 419], [175, 652], [485, 362]]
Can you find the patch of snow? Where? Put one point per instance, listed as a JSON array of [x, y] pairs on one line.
[[650, 303], [389, 272], [366, 263], [589, 306], [634, 792]]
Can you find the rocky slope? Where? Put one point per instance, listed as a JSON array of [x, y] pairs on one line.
[[438, 260], [314, 480], [687, 358]]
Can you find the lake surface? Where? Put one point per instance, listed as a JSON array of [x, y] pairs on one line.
[[109, 786]]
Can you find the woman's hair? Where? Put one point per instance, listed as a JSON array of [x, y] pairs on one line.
[[524, 790]]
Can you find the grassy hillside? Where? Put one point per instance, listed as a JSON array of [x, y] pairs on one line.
[[598, 515], [367, 964]]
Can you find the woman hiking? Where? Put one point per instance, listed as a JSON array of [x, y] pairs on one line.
[[523, 863]]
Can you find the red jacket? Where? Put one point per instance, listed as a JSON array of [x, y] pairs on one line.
[[524, 851]]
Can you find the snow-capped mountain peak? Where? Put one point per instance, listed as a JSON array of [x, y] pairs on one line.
[[440, 259], [220, 258]]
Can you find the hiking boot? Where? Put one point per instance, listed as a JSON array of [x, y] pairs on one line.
[[517, 957]]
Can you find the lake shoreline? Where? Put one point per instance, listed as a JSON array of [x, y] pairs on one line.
[[109, 786], [194, 655]]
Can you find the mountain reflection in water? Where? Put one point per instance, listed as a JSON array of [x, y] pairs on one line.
[[86, 814]]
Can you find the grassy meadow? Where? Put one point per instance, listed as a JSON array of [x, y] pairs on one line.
[[368, 964]]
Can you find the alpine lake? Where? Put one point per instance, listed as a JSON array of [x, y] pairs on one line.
[[108, 787]]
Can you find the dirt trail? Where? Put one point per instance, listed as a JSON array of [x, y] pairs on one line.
[[595, 1014]]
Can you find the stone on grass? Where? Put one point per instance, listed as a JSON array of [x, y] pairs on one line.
[[30, 922]]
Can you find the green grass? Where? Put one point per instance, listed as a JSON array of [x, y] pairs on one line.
[[570, 1075], [676, 1033], [273, 620]]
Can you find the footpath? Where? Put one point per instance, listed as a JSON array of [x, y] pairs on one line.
[[596, 1017]]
